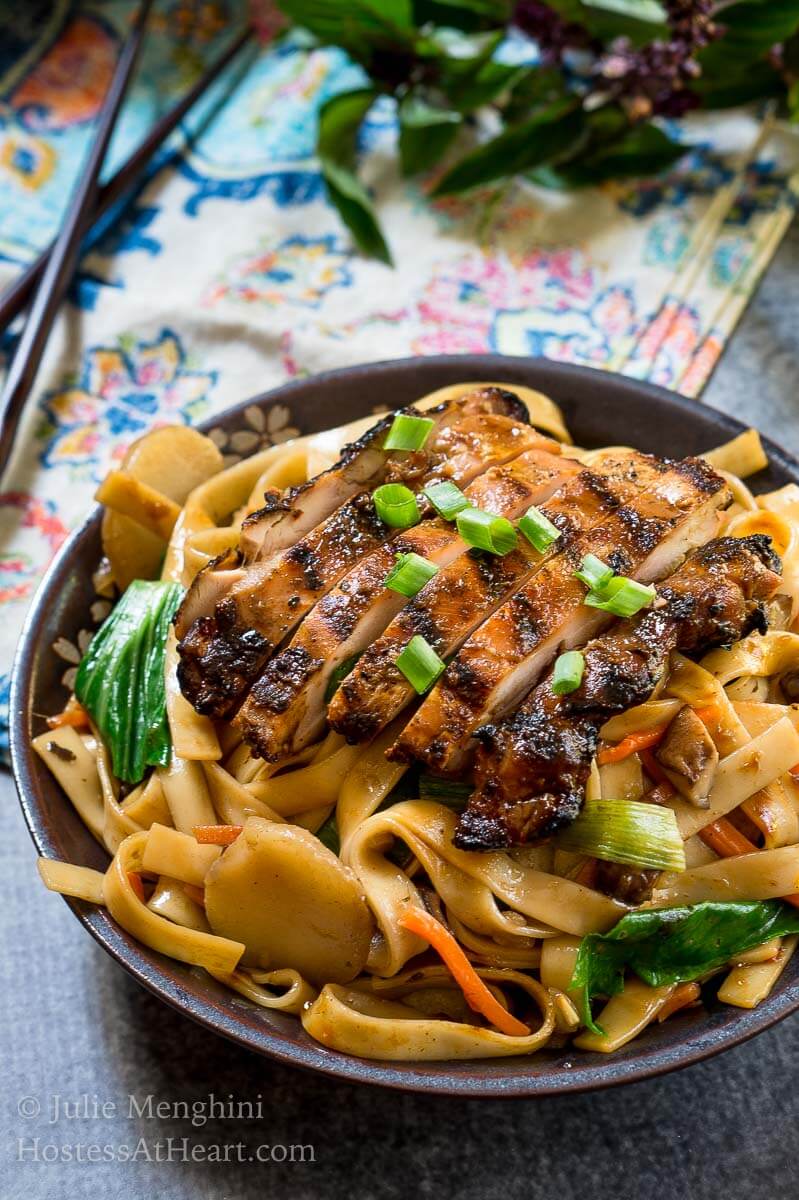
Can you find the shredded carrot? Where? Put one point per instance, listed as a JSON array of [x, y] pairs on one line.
[[197, 894], [653, 767], [683, 995], [478, 996], [217, 835], [135, 882], [727, 841], [709, 714], [73, 714], [633, 743]]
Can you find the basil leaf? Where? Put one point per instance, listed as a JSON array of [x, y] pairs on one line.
[[360, 27], [120, 680], [637, 153], [674, 945], [426, 133], [542, 137], [339, 120]]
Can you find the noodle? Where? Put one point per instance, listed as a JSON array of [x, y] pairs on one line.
[[519, 915]]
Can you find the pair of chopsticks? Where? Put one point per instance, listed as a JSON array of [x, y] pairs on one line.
[[48, 277]]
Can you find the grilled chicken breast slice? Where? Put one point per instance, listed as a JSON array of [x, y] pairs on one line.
[[288, 516], [531, 769], [671, 509], [286, 707], [365, 464], [223, 653], [461, 596]]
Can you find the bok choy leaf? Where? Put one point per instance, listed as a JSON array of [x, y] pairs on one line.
[[674, 945], [120, 679]]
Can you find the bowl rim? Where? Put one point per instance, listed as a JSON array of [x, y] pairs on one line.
[[145, 965]]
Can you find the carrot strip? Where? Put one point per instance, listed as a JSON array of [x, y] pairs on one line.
[[135, 881], [632, 744], [197, 894], [478, 997], [73, 714], [653, 767], [794, 771], [727, 841], [708, 714], [217, 835], [683, 995]]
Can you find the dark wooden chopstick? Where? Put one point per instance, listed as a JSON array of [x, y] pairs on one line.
[[15, 297], [57, 274]]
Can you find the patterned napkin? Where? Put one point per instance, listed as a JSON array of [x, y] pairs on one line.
[[229, 273]]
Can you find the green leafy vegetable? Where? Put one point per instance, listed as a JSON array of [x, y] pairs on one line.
[[567, 93], [674, 945], [339, 121], [541, 138], [426, 133], [120, 679], [328, 833]]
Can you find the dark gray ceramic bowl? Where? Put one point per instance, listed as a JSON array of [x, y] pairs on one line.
[[599, 409]]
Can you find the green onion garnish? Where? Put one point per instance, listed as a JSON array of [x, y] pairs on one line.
[[538, 529], [568, 673], [420, 664], [623, 597], [120, 679], [447, 499], [396, 505], [627, 831], [595, 574], [410, 574], [485, 531], [408, 433]]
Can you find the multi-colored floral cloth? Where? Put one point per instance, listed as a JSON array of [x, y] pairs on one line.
[[228, 272]]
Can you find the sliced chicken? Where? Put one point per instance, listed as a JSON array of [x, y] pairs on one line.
[[286, 707], [365, 464], [669, 509], [461, 596], [223, 652], [531, 769]]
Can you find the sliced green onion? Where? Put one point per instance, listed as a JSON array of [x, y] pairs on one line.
[[444, 791], [627, 831], [568, 673], [408, 433], [623, 597], [338, 676], [396, 505], [485, 531], [420, 664], [447, 499], [410, 573], [595, 574], [538, 529]]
